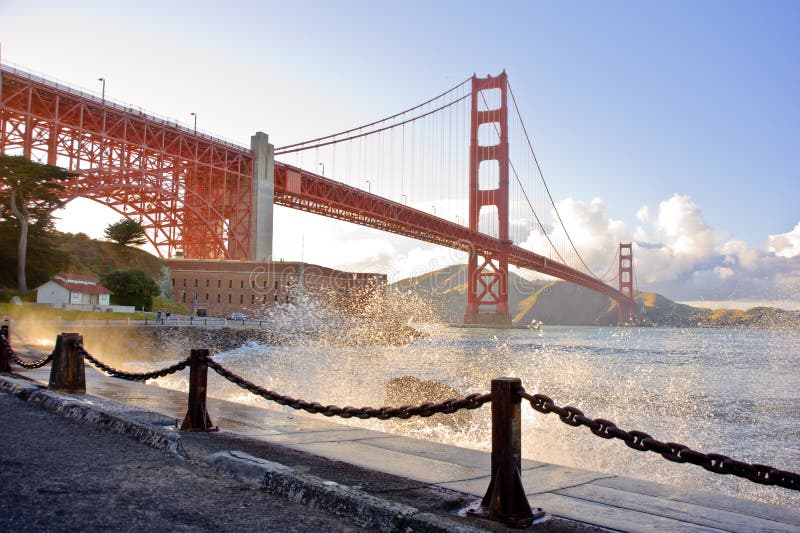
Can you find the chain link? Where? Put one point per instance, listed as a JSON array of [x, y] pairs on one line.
[[473, 401], [143, 376], [672, 451], [21, 362]]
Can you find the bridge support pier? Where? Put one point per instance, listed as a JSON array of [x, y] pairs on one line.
[[488, 286], [263, 195], [487, 283], [625, 307]]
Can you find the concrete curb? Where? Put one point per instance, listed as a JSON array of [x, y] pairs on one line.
[[142, 426], [361, 508]]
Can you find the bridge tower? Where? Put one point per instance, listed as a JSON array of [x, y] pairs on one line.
[[625, 308], [487, 270]]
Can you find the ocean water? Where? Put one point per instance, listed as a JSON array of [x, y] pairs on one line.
[[734, 392]]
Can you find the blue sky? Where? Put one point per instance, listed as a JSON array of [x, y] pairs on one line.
[[631, 103]]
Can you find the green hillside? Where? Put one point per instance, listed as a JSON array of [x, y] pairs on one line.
[[567, 304], [98, 257], [51, 252]]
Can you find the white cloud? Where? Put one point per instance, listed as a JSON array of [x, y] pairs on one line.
[[595, 234], [677, 241], [738, 253], [723, 272], [786, 244]]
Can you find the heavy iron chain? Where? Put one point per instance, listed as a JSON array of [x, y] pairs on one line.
[[672, 451], [473, 401], [36, 364], [129, 375], [21, 362]]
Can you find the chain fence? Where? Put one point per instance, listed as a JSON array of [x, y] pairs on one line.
[[671, 451], [21, 362], [131, 376], [572, 416], [473, 401]]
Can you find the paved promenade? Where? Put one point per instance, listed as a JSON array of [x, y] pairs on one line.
[[434, 480], [60, 475]]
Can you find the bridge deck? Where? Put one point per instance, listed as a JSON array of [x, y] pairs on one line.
[[306, 191], [608, 501]]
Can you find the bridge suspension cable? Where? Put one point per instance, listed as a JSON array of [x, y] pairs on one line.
[[338, 137], [420, 157], [522, 188], [546, 188], [610, 266]]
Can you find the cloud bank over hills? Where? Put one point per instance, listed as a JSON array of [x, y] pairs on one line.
[[678, 254]]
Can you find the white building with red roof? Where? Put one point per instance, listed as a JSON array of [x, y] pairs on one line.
[[73, 291]]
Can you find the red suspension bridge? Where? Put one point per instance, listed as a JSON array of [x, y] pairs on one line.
[[458, 170]]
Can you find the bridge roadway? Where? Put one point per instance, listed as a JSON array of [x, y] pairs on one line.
[[306, 191]]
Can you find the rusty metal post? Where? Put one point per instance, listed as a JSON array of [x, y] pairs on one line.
[[505, 499], [67, 373], [197, 418], [5, 357]]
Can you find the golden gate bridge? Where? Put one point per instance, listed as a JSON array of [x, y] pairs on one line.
[[458, 170]]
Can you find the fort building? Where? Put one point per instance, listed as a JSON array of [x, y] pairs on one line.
[[250, 287]]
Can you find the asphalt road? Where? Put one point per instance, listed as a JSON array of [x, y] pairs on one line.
[[59, 475]]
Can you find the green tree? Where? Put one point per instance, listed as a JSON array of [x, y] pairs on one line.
[[126, 232], [29, 192], [44, 255], [132, 287]]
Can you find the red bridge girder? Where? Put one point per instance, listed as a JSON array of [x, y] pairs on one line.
[[192, 192]]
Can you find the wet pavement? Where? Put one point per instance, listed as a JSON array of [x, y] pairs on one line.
[[61, 475]]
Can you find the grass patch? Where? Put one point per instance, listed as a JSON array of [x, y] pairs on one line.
[[165, 304], [37, 312]]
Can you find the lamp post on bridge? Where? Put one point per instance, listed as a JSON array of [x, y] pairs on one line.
[[103, 81], [323, 169], [369, 186], [405, 199], [195, 121]]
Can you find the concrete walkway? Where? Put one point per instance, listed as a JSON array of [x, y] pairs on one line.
[[60, 475], [589, 498]]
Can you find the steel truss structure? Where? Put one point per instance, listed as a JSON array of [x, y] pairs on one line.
[[192, 193]]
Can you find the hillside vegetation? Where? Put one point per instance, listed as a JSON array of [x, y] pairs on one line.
[[51, 252]]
